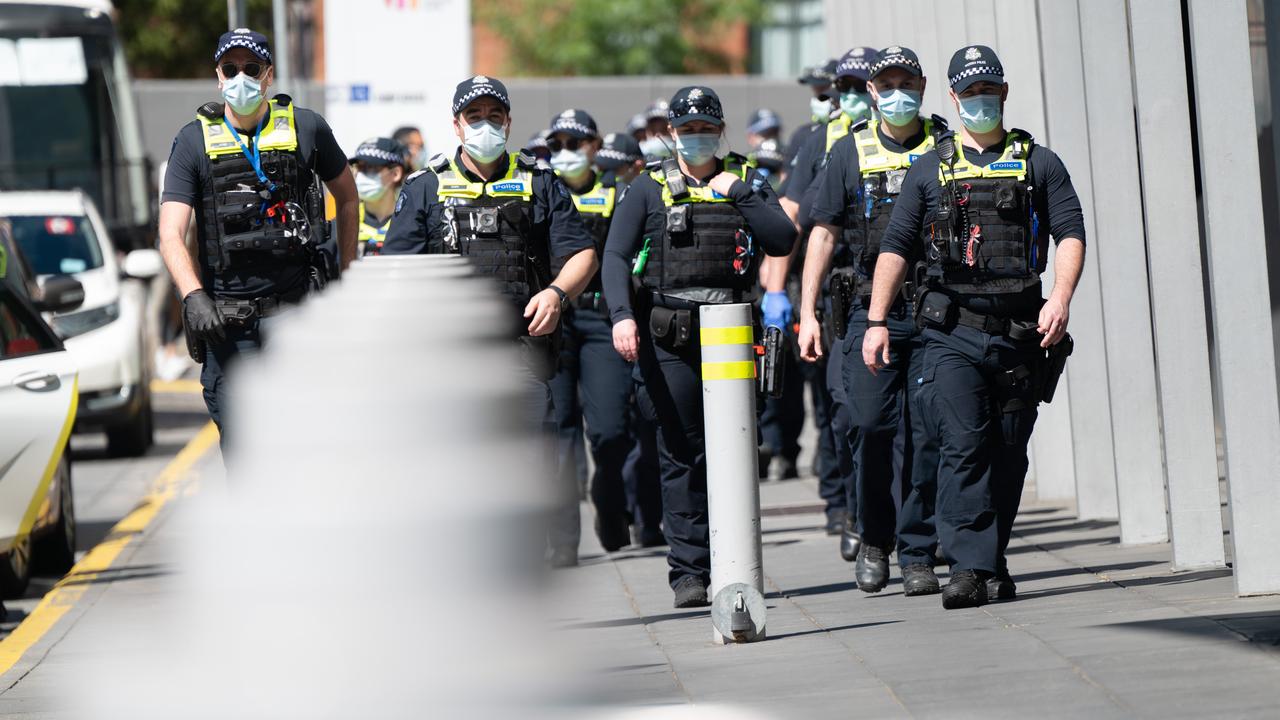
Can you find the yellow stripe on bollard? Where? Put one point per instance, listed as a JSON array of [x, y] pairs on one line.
[[740, 335], [730, 370]]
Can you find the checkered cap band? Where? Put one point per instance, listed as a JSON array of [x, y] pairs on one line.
[[977, 70], [377, 153], [246, 43], [892, 60], [571, 125], [611, 154], [477, 90]]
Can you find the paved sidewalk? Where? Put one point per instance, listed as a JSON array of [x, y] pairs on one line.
[[1099, 631]]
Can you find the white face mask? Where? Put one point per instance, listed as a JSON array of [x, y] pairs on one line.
[[369, 185], [484, 141], [654, 147], [570, 163], [242, 93], [820, 109]]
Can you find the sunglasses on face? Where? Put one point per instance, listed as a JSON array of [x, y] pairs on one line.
[[252, 69], [845, 84], [555, 145]]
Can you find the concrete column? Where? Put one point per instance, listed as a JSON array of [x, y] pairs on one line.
[[1122, 268], [1236, 244], [1173, 254]]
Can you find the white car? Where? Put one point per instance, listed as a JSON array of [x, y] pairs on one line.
[[61, 233], [37, 411]]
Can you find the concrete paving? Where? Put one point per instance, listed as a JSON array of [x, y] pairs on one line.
[[1099, 630]]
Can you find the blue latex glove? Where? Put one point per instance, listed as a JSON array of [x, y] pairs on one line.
[[776, 307]]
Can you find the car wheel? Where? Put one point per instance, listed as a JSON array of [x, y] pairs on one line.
[[136, 435], [55, 551], [15, 568]]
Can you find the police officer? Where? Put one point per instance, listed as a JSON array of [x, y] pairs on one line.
[[656, 143], [415, 148], [593, 382], [249, 168], [818, 79], [379, 165], [510, 217], [983, 205], [620, 160], [695, 227], [864, 170]]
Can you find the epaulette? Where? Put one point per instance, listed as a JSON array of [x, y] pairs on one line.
[[437, 163], [283, 100], [859, 126], [739, 157], [527, 160], [414, 176], [211, 110], [651, 165], [1022, 142]]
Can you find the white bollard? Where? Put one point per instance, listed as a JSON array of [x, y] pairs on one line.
[[733, 490]]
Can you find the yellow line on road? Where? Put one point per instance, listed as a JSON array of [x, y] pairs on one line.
[[58, 601], [181, 385]]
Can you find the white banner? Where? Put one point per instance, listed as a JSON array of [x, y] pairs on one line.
[[390, 63]]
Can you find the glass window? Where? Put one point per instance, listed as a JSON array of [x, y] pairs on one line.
[[790, 39], [57, 245], [18, 333]]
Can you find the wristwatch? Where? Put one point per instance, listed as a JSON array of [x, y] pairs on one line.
[[877, 323], [564, 297]]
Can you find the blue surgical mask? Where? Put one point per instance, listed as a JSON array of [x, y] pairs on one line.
[[856, 105], [654, 147], [980, 113], [899, 107], [369, 185], [698, 148], [242, 93], [820, 109], [484, 141], [570, 163]]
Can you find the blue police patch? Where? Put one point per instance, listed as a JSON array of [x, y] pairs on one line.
[[508, 187], [591, 201], [400, 202], [1007, 165]]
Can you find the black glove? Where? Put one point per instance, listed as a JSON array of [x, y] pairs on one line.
[[202, 317]]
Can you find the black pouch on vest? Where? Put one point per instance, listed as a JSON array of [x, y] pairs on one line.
[[934, 310], [541, 354], [671, 328]]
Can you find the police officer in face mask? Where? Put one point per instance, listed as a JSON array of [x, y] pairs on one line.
[[692, 232], [852, 206], [593, 382], [414, 146], [249, 168], [656, 143], [379, 165], [482, 202], [620, 160], [980, 209]]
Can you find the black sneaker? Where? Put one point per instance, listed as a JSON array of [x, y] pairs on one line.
[[872, 569], [919, 579], [965, 590], [1001, 587], [564, 557], [690, 592], [850, 541]]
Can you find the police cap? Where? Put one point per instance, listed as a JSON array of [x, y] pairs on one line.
[[575, 123], [896, 56], [695, 102], [381, 151], [972, 64], [477, 87], [251, 40], [619, 149]]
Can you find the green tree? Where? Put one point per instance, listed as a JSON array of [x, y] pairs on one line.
[[615, 37], [176, 38]]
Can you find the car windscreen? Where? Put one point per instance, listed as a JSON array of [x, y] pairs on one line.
[[55, 244]]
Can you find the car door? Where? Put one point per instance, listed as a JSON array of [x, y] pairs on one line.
[[37, 409]]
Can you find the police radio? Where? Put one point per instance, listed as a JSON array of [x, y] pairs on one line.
[[945, 243], [675, 179]]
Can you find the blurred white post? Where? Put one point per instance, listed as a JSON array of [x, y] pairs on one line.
[[733, 490], [1238, 273], [1122, 270], [1177, 304], [280, 45], [235, 14]]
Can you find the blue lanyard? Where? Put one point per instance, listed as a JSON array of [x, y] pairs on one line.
[[255, 156]]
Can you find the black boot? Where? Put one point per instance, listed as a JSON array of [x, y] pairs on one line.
[[966, 589], [872, 569], [690, 592], [919, 579], [835, 524], [1001, 587], [850, 540], [614, 533]]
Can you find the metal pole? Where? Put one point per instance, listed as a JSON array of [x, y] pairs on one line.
[[235, 14], [1173, 256], [733, 490], [1237, 248], [280, 45]]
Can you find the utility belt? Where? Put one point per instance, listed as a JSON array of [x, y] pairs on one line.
[[588, 301], [848, 292], [242, 312], [673, 322], [1018, 388]]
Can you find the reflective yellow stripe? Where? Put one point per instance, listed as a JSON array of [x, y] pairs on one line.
[[730, 370], [279, 133], [740, 335], [515, 183]]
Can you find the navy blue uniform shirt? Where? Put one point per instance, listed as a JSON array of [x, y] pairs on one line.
[[189, 170], [641, 213], [418, 224]]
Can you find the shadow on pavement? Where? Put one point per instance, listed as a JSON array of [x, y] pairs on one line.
[[1262, 628], [1178, 579], [127, 572], [815, 631], [1099, 570], [642, 620], [1061, 544], [1064, 525]]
